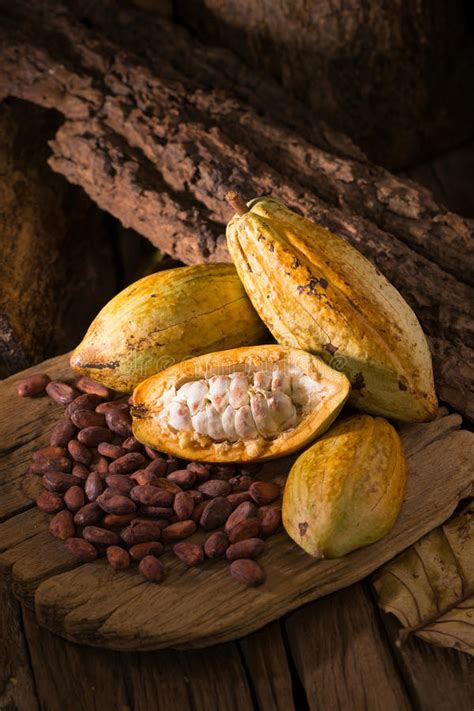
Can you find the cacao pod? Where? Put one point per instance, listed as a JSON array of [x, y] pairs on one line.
[[318, 293], [164, 318], [346, 490], [238, 405]]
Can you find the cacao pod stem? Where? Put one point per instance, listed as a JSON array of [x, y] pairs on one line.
[[235, 200]]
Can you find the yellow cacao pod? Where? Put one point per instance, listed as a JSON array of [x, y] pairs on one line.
[[318, 293], [346, 490], [164, 318], [239, 405]]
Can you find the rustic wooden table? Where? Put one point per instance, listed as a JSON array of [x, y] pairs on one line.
[[338, 652]]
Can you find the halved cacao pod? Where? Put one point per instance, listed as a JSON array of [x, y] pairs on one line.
[[245, 404], [346, 490], [317, 292], [164, 318]]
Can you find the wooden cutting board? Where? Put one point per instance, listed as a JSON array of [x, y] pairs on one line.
[[92, 604]]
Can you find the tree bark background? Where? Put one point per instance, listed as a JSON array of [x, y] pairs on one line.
[[55, 266], [157, 128], [396, 76]]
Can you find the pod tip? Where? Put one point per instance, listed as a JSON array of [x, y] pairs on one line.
[[237, 202]]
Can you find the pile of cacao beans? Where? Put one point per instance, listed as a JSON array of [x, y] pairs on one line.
[[109, 494]]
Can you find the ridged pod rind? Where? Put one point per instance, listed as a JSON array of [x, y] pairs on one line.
[[146, 408], [164, 318], [346, 490], [318, 293]]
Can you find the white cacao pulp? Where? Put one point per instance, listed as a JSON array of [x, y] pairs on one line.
[[241, 405]]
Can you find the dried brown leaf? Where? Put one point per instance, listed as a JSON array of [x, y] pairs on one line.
[[430, 586]]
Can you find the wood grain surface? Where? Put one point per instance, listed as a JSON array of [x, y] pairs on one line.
[[95, 605], [436, 678], [343, 639]]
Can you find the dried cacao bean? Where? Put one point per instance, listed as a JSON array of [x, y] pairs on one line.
[[119, 421], [115, 503], [141, 531], [183, 505], [199, 470], [152, 453], [80, 470], [132, 445], [191, 554], [60, 392], [105, 407], [62, 432], [74, 498], [112, 451], [167, 485], [148, 495], [88, 515], [238, 498], [172, 465], [216, 545], [117, 558], [128, 463], [141, 477], [87, 418], [121, 482], [100, 536], [214, 488], [117, 520], [196, 495], [249, 548], [183, 478], [59, 481], [241, 483], [33, 385], [242, 512], [48, 453], [199, 510], [81, 549], [93, 436], [247, 572], [222, 475], [264, 492], [178, 531], [157, 467], [270, 520], [61, 525], [51, 464], [93, 486], [91, 387], [140, 550], [49, 501], [79, 452], [216, 513], [83, 402], [151, 569], [157, 512], [101, 465], [249, 528]]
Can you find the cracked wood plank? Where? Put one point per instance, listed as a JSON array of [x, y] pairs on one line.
[[267, 664], [69, 599], [342, 658], [437, 678], [17, 685], [162, 681]]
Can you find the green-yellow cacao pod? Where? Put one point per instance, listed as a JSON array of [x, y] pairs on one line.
[[165, 318], [240, 405], [346, 490], [318, 293]]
